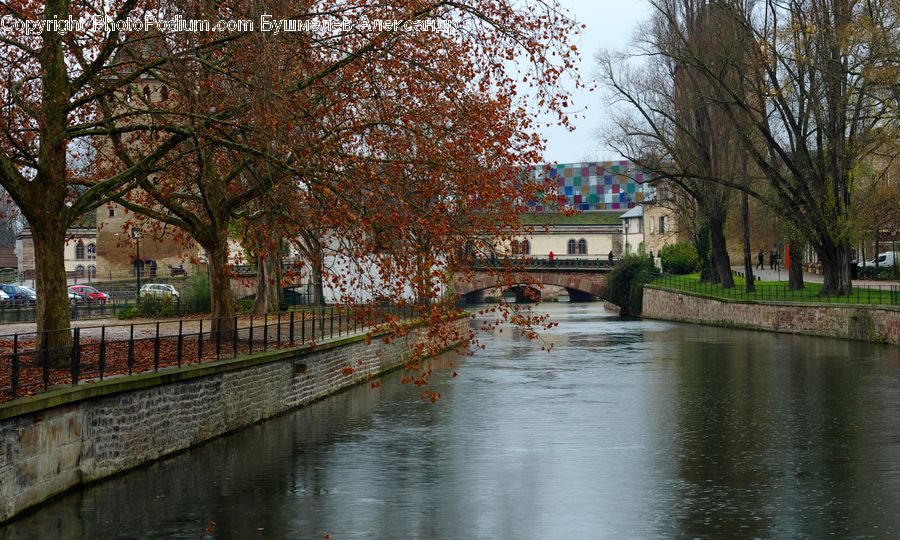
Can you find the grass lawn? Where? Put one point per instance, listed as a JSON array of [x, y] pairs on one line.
[[777, 291]]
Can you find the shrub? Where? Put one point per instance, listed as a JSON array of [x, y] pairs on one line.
[[195, 296], [128, 313], [246, 305], [157, 306], [626, 282], [679, 258]]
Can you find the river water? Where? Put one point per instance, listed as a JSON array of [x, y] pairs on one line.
[[629, 429]]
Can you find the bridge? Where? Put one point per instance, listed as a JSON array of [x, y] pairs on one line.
[[583, 279]]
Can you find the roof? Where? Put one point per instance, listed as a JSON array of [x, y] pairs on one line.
[[637, 211], [581, 218]]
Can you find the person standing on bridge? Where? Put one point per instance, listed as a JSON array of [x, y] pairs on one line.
[[610, 257], [551, 257]]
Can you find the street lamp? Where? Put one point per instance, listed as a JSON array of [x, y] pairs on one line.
[[138, 263]]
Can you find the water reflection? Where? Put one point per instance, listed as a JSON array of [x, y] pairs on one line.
[[629, 428]]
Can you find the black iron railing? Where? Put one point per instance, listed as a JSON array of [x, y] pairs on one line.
[[32, 362], [888, 294]]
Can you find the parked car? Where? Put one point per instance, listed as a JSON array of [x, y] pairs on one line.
[[883, 261], [18, 295], [90, 294], [159, 290], [4, 299]]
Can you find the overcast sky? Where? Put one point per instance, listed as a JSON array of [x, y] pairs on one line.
[[610, 24]]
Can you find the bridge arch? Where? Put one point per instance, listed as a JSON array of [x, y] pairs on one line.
[[581, 286]]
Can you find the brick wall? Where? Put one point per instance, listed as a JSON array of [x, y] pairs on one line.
[[48, 451], [865, 323]]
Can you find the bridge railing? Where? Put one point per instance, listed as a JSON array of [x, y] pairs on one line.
[[545, 263]]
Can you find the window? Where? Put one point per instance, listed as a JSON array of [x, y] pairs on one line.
[[112, 212], [582, 247], [91, 251], [92, 271], [571, 247], [526, 247], [662, 224], [515, 247], [164, 93], [79, 252], [79, 270], [147, 92], [641, 225]]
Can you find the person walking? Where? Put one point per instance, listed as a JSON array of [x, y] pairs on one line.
[[761, 259], [772, 259]]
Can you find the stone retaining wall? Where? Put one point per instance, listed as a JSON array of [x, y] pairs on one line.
[[64, 438], [865, 323]]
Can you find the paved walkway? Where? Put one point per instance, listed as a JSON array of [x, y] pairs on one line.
[[782, 275]]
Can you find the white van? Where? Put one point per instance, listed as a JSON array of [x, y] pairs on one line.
[[883, 260]]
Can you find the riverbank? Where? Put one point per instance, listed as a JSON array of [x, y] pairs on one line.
[[874, 323], [62, 439]]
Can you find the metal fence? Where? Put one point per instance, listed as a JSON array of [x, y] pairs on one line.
[[779, 292], [30, 362]]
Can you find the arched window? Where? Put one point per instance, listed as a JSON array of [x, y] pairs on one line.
[[92, 251], [582, 247], [92, 271], [164, 93], [147, 92], [128, 95], [79, 270], [572, 247], [514, 246], [79, 252], [526, 247]]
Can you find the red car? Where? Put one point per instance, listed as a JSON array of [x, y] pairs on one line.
[[90, 294]]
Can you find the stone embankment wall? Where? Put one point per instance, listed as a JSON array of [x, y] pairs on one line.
[[64, 438], [865, 323]]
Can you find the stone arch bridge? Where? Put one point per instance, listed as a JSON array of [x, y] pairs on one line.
[[583, 279]]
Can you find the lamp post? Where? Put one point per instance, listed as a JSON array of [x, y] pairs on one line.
[[138, 263]]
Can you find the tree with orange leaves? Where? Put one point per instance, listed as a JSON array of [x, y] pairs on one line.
[[402, 147]]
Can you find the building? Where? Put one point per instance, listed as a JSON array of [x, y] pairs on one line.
[[589, 186], [597, 192], [633, 229], [588, 235], [117, 246], [80, 253]]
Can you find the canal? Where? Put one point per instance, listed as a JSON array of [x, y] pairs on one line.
[[630, 428]]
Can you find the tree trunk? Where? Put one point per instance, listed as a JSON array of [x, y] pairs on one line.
[[268, 283], [748, 255], [707, 273], [719, 251], [836, 269], [220, 294], [795, 272], [318, 288], [52, 310]]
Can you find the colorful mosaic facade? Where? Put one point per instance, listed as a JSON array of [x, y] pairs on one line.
[[604, 185]]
